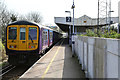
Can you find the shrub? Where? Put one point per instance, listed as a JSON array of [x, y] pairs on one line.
[[2, 51], [118, 36], [104, 34], [90, 33]]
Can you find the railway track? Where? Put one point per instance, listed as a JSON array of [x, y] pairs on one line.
[[6, 69], [11, 72], [14, 72]]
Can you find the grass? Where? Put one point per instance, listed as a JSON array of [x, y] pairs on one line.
[[2, 55], [3, 64]]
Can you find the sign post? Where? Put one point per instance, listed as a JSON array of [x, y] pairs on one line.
[[68, 19]]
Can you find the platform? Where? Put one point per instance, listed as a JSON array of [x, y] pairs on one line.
[[58, 63]]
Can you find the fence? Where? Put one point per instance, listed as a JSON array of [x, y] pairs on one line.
[[100, 57]]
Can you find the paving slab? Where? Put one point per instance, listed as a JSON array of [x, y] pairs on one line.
[[58, 63]]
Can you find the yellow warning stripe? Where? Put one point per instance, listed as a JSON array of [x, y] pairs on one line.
[[51, 61]]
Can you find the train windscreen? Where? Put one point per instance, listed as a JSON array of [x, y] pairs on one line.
[[32, 33], [12, 33]]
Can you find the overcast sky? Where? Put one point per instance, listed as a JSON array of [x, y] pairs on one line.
[[56, 8]]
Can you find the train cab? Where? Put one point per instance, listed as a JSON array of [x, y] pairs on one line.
[[25, 41], [22, 37], [22, 41]]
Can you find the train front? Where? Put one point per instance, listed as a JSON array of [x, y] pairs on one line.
[[22, 42]]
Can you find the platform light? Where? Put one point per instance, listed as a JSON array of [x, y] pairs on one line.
[[73, 41], [69, 26]]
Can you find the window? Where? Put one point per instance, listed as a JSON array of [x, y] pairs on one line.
[[12, 33], [51, 35], [22, 33], [32, 33]]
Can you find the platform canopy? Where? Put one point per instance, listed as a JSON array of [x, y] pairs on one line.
[[82, 22]]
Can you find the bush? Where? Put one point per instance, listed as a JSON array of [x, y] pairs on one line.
[[90, 33], [104, 34], [2, 51], [118, 36], [0, 44]]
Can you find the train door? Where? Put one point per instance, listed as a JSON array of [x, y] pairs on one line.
[[44, 39], [48, 38], [22, 37], [51, 37]]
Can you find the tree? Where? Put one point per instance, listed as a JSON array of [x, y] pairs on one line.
[[34, 16], [13, 17], [5, 18]]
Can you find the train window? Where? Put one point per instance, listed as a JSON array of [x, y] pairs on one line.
[[22, 33], [45, 35], [32, 33], [51, 35], [12, 33]]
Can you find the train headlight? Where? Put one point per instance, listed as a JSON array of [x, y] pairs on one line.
[[29, 46], [10, 46], [15, 46]]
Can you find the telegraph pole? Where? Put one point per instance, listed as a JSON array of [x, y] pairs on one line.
[[98, 18]]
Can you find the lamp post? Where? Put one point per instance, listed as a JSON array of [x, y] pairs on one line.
[[109, 15], [69, 26], [109, 20], [73, 41], [98, 16]]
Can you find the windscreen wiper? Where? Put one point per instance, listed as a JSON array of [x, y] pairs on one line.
[[14, 38], [31, 38]]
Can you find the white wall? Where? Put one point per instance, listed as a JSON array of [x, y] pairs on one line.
[[100, 57]]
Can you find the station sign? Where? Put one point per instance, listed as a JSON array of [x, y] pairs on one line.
[[68, 19]]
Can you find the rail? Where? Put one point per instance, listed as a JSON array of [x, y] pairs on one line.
[[6, 69]]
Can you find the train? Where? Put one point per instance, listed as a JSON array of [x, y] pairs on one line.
[[26, 41]]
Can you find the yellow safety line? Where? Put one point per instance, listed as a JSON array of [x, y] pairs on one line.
[[51, 62]]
